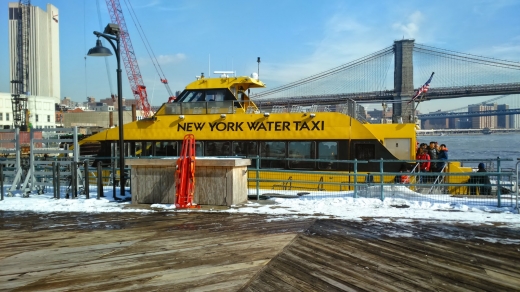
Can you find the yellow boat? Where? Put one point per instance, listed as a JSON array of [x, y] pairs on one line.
[[226, 122]]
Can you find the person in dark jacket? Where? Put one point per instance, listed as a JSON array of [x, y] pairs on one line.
[[434, 155], [443, 155], [483, 180]]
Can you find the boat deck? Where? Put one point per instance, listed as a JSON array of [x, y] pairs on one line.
[[201, 251]]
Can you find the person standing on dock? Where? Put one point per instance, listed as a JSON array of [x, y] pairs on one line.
[[483, 180], [434, 155], [443, 155], [424, 161]]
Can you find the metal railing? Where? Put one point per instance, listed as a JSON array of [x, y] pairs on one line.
[[445, 186], [100, 177]]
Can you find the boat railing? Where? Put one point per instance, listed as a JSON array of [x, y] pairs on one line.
[[350, 108], [210, 107]]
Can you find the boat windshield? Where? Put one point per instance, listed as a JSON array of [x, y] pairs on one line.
[[205, 95]]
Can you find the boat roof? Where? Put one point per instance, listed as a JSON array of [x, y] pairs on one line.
[[245, 82]]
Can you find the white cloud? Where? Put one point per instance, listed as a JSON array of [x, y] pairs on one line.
[[166, 59], [163, 59], [152, 3], [344, 39], [411, 28]]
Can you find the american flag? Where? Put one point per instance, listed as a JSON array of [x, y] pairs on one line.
[[422, 89]]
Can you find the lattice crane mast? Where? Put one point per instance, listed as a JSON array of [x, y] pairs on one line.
[[129, 59], [19, 84], [148, 47]]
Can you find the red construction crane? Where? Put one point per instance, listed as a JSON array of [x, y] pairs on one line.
[[129, 59]]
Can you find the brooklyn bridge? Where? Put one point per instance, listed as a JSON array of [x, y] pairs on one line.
[[367, 79]]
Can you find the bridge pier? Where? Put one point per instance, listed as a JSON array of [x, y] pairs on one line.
[[403, 82]]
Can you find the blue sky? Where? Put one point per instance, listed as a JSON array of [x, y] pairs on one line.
[[295, 39]]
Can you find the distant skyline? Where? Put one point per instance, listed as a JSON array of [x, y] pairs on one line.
[[294, 39]]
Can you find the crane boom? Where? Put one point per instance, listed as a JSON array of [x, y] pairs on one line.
[[129, 59], [19, 84]]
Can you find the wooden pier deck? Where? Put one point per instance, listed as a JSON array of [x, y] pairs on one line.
[[199, 251]]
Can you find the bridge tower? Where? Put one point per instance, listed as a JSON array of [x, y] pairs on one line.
[[403, 81]]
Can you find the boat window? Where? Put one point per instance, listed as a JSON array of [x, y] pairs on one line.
[[272, 154], [218, 148], [328, 151], [205, 95], [301, 151], [199, 147], [365, 151], [247, 149], [215, 95], [191, 96], [166, 148], [147, 149]]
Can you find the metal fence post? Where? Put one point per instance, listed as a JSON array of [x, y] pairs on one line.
[[74, 180], [114, 162], [99, 180], [58, 181], [86, 178], [499, 192], [54, 188], [355, 178], [517, 181], [1, 181], [257, 178], [381, 180]]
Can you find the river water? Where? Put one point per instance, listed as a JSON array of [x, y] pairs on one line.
[[480, 147]]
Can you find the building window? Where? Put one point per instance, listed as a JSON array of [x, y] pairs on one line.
[[48, 118], [1, 116], [7, 116], [36, 118]]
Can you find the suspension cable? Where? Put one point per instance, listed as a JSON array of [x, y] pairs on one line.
[[107, 65]]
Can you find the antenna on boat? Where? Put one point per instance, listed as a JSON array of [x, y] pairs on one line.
[[224, 74], [258, 72]]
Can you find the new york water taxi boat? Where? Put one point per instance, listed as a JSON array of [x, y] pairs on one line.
[[226, 122]]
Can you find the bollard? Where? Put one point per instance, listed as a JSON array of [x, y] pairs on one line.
[[86, 179], [1, 182], [99, 180], [58, 181]]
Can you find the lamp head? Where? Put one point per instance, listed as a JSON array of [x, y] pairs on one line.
[[223, 116], [266, 115], [181, 117], [112, 29], [99, 50]]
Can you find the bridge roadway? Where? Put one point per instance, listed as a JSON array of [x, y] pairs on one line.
[[443, 115], [440, 132], [390, 95]]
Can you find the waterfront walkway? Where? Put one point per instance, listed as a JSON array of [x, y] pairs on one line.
[[199, 251]]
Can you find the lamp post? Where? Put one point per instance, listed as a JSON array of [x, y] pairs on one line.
[[111, 34]]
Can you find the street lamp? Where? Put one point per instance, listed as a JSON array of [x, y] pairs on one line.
[[111, 34]]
